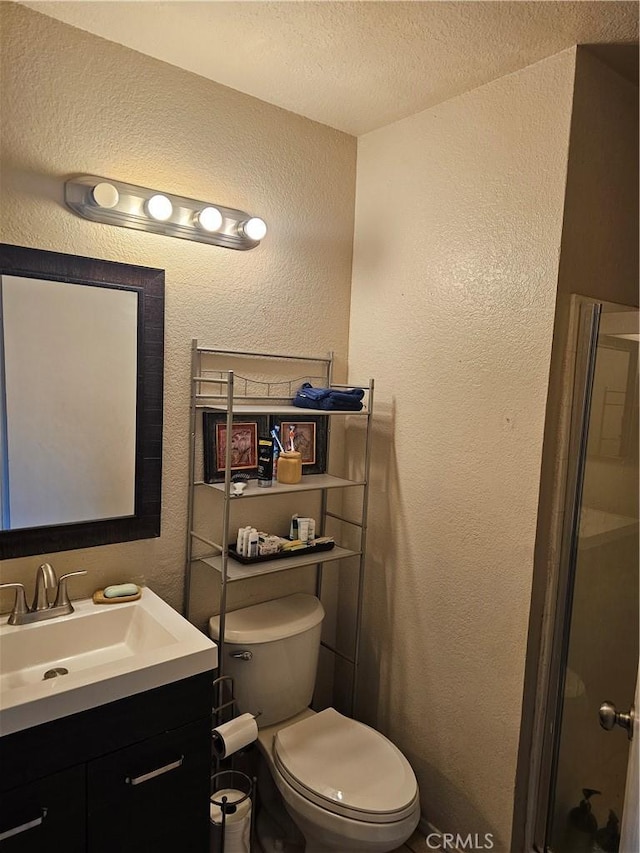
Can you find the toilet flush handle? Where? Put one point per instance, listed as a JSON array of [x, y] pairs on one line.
[[246, 655]]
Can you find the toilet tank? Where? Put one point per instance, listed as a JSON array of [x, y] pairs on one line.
[[283, 638]]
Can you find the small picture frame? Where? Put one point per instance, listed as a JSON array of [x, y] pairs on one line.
[[245, 432], [309, 438]]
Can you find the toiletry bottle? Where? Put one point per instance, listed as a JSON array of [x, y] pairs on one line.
[[581, 825], [277, 450], [253, 543], [245, 541], [265, 462], [303, 530], [290, 467], [607, 839], [293, 527]]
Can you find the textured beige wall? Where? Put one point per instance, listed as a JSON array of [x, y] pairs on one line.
[[600, 236], [458, 228], [74, 103]]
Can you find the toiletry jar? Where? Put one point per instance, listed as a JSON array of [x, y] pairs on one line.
[[290, 467]]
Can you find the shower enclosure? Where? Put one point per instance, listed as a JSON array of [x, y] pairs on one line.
[[594, 660]]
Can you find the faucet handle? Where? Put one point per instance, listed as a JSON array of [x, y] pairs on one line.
[[20, 604], [62, 597]]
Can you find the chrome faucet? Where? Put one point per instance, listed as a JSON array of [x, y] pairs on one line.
[[45, 579], [41, 608]]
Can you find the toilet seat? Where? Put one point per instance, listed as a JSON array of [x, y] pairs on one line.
[[346, 768]]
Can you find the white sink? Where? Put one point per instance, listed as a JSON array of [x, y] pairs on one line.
[[109, 652]]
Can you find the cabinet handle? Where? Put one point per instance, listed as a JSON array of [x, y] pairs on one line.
[[138, 780], [30, 824]]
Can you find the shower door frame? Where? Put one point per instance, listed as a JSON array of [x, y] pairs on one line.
[[586, 352], [540, 740]]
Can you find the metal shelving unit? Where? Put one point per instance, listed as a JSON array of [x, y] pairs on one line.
[[226, 391]]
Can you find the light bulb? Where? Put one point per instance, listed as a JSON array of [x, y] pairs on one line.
[[209, 218], [105, 195], [159, 207], [254, 228]]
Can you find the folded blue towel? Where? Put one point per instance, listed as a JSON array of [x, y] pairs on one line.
[[328, 399]]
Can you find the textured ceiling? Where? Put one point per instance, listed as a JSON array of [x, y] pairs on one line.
[[355, 66]]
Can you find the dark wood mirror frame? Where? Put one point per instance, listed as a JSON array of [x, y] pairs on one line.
[[149, 284]]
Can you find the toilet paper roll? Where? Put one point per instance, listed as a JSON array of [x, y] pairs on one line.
[[232, 736], [237, 821]]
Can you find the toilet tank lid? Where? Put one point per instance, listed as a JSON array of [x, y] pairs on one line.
[[269, 621]]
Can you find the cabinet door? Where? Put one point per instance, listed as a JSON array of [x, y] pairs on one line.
[[48, 814], [153, 796]]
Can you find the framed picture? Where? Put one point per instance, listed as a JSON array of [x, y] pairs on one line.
[[309, 438], [244, 444]]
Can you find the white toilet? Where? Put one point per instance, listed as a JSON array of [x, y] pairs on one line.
[[346, 786]]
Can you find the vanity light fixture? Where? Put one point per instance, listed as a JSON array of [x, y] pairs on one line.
[[209, 218], [117, 203], [105, 195], [254, 228], [159, 207]]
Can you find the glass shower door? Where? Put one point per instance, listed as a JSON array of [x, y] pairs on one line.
[[601, 643]]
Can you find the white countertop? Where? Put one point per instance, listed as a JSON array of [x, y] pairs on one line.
[[110, 651]]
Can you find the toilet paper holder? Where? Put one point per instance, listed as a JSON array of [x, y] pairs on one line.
[[225, 778], [234, 736], [218, 688], [236, 781], [218, 691]]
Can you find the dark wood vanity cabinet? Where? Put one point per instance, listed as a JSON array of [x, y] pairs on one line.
[[48, 814], [128, 777], [150, 795]]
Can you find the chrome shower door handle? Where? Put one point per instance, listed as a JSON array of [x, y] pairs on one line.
[[609, 718]]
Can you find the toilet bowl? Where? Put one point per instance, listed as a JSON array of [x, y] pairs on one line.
[[345, 786]]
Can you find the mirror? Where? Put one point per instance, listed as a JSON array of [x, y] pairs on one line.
[[81, 361]]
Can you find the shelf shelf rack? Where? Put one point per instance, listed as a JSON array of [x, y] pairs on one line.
[[225, 391]]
